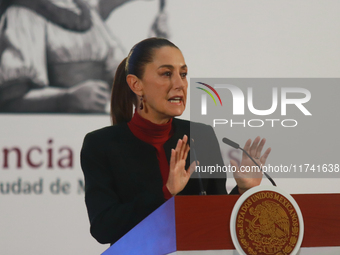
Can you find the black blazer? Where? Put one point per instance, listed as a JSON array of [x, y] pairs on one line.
[[123, 182]]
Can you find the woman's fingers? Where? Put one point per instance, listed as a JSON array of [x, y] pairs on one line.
[[187, 149], [184, 146], [178, 149], [265, 156], [172, 159], [259, 148], [253, 147], [182, 149]]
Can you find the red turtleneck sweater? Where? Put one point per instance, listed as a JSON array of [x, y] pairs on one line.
[[155, 135]]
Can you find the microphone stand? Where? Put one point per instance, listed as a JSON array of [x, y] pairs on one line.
[[192, 147]]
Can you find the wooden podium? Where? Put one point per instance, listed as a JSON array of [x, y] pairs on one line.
[[199, 223]]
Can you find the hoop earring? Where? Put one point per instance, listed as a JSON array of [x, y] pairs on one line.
[[141, 106]]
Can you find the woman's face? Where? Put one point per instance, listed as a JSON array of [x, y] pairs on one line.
[[164, 85]]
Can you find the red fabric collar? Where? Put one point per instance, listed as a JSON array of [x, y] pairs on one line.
[[150, 132]]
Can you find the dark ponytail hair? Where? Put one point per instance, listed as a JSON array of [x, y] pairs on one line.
[[122, 97]]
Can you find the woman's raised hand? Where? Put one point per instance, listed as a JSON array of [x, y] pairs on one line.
[[246, 175], [178, 175]]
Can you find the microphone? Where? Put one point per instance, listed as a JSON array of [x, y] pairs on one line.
[[237, 146], [192, 147]]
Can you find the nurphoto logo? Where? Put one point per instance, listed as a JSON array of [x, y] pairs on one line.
[[280, 99]]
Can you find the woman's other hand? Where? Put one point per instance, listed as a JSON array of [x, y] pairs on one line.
[[247, 179]]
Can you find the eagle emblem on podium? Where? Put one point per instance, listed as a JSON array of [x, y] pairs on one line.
[[267, 223]]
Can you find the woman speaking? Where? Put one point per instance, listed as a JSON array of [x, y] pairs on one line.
[[139, 162]]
